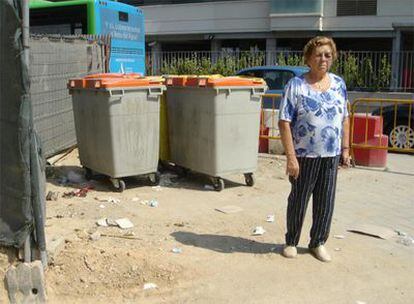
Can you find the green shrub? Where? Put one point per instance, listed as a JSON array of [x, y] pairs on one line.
[[356, 73]]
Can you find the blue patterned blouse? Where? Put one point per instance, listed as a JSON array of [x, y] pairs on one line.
[[315, 117]]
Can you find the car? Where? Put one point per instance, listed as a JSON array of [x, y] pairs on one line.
[[276, 77], [400, 134]]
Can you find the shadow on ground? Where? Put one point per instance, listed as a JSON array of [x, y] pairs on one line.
[[64, 176], [228, 244]]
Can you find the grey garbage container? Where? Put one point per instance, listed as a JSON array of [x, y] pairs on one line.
[[214, 125], [117, 125]]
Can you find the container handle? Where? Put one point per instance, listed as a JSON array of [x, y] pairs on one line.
[[116, 93], [227, 90], [258, 91], [155, 91]]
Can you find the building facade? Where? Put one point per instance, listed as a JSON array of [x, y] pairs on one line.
[[359, 25]]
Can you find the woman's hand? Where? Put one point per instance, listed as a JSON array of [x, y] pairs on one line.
[[346, 159], [292, 166]]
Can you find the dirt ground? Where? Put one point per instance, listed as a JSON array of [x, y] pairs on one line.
[[218, 258]]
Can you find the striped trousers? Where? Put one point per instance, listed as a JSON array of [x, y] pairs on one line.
[[317, 177]]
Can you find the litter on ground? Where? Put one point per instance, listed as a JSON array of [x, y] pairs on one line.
[[108, 200], [153, 203], [157, 188], [78, 192], [124, 223], [150, 286], [52, 196], [102, 222], [259, 230], [406, 240], [177, 250], [229, 209]]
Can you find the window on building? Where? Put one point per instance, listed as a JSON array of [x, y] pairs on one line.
[[356, 7], [295, 6]]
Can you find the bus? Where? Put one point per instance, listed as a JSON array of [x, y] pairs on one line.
[[124, 23]]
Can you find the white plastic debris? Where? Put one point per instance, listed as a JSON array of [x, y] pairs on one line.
[[108, 200], [113, 200], [259, 230], [102, 222], [337, 249], [156, 188], [153, 203], [400, 233], [270, 218], [360, 302], [339, 236], [150, 286], [124, 223], [406, 240], [208, 187], [177, 250], [102, 206]]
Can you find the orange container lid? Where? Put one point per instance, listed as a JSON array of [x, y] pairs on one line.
[[112, 80], [176, 80], [213, 81], [113, 75]]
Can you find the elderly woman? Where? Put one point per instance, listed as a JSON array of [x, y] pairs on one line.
[[314, 126]]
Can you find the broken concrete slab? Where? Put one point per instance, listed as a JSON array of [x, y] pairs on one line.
[[25, 283], [54, 247], [373, 230]]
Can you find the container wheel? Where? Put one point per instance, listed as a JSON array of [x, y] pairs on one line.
[[218, 184], [118, 184], [88, 173], [122, 186], [249, 178], [154, 178]]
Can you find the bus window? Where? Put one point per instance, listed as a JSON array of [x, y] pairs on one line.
[[53, 20]]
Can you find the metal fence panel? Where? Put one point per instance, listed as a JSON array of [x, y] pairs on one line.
[[53, 60]]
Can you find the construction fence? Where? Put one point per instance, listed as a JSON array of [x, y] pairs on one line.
[[54, 60]]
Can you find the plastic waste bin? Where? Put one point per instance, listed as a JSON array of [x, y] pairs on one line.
[[117, 125], [164, 141], [214, 124]]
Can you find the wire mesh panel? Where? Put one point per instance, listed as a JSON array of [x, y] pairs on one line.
[[54, 60]]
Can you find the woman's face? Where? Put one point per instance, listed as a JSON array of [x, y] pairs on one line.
[[321, 59]]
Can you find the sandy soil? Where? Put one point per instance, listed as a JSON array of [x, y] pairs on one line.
[[220, 260]]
